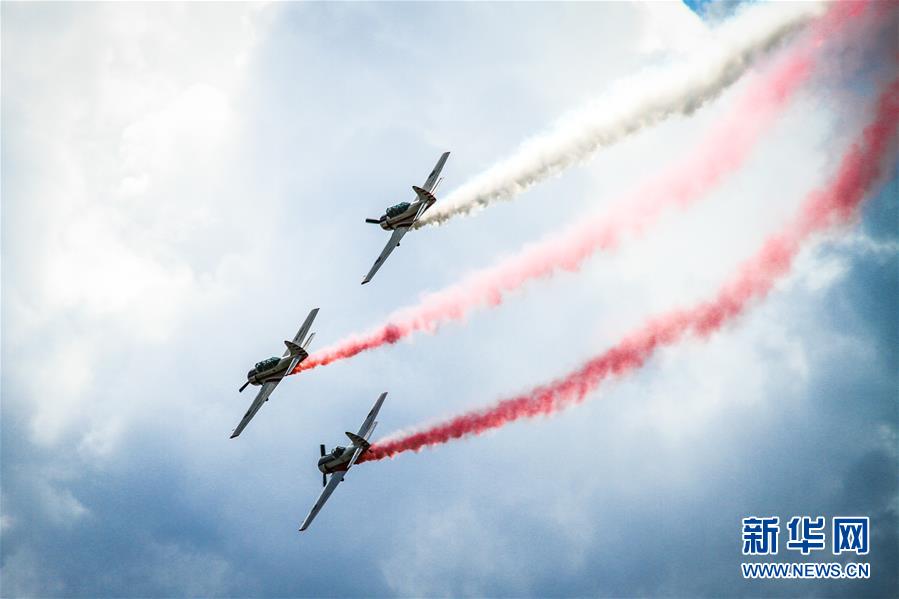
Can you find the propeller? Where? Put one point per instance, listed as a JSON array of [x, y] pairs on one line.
[[243, 387], [324, 476]]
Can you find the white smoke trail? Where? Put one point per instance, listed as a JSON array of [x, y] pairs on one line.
[[632, 105]]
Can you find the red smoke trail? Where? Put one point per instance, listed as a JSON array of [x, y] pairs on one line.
[[722, 152], [859, 170]]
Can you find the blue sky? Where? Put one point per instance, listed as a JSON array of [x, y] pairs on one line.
[[182, 183], [713, 9]]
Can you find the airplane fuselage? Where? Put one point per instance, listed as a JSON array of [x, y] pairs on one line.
[[406, 218], [337, 460], [273, 369]]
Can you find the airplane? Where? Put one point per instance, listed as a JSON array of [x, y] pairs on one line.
[[268, 373], [401, 217], [341, 459]]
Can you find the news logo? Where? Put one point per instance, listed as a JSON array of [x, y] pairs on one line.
[[760, 535], [850, 535], [805, 535]]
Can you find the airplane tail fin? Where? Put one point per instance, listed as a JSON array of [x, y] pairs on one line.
[[425, 196], [357, 440], [294, 349], [308, 341]]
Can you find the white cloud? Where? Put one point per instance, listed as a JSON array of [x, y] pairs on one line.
[[59, 398], [59, 505], [670, 27], [135, 121]]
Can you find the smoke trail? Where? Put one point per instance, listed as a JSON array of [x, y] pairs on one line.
[[721, 152], [835, 204], [634, 104]]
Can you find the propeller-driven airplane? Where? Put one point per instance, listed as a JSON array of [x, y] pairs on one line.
[[269, 373], [401, 217], [341, 459]]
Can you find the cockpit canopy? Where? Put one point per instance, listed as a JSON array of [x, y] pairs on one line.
[[338, 450], [266, 364], [398, 209]]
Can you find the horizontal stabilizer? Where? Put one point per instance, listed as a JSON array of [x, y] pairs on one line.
[[294, 349], [357, 440], [424, 195]]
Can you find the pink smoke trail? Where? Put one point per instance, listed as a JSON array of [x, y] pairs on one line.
[[720, 153], [836, 203]]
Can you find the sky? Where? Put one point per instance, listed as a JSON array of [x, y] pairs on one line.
[[181, 183]]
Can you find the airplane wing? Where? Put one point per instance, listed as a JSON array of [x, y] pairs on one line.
[[391, 243], [336, 479], [261, 398], [369, 425], [301, 334], [432, 178]]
